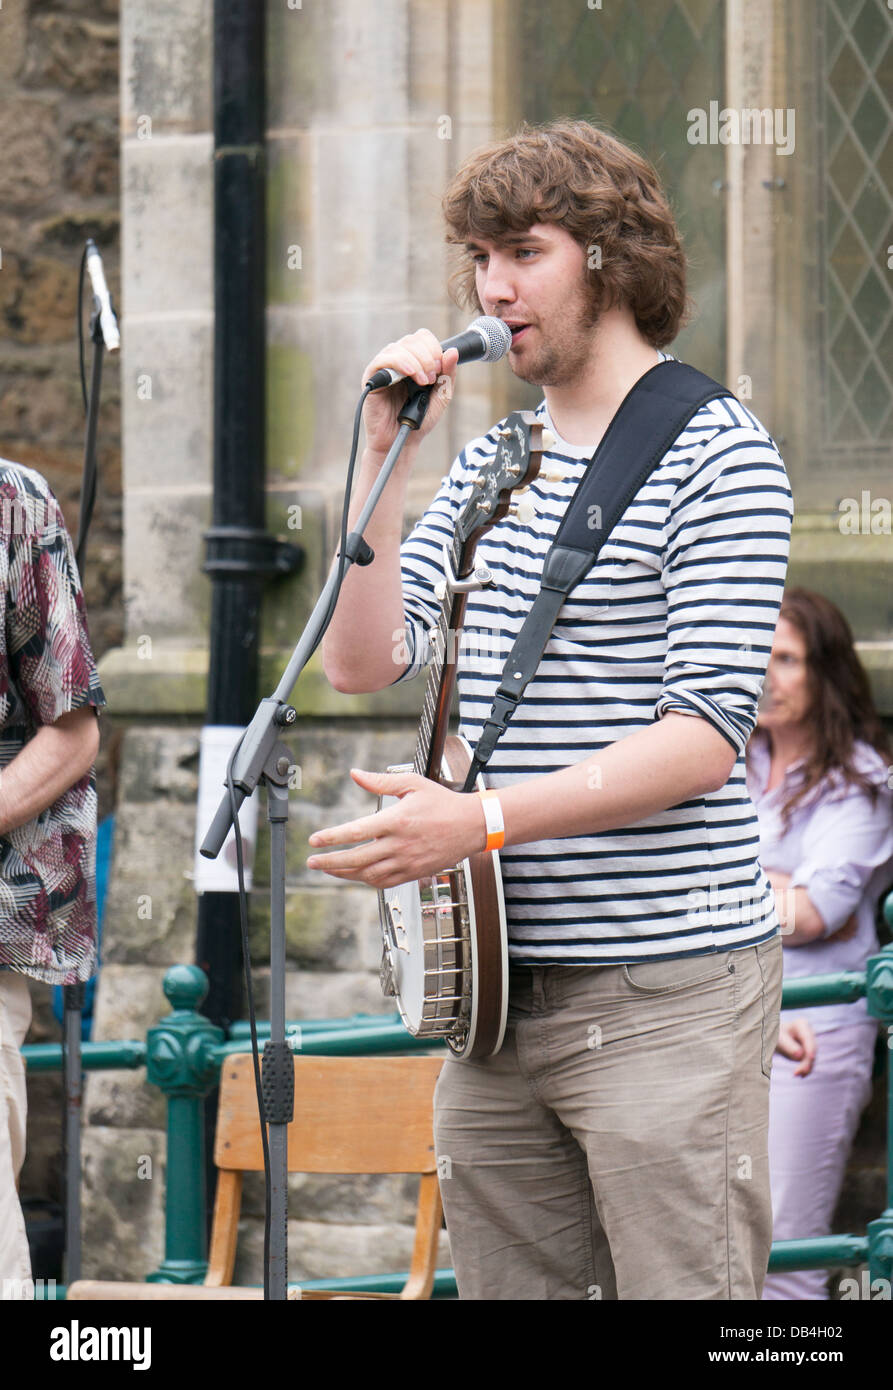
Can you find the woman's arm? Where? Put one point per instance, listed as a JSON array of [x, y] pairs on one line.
[[801, 921], [844, 840]]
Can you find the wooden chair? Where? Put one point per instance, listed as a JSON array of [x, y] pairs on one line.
[[352, 1115]]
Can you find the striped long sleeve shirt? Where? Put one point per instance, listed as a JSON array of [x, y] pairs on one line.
[[676, 615]]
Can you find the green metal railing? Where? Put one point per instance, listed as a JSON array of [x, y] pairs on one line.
[[184, 1051]]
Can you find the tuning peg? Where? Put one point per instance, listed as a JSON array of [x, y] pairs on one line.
[[549, 440], [551, 475], [524, 510]]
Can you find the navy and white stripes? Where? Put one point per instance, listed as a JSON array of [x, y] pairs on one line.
[[678, 615]]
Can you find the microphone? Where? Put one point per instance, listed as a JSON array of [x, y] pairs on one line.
[[485, 340], [107, 321]]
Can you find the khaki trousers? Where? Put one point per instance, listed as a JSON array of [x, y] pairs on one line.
[[15, 1017], [616, 1146]]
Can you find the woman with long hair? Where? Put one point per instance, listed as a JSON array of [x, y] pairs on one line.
[[819, 774]]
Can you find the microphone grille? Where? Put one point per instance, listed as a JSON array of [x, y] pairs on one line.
[[498, 337]]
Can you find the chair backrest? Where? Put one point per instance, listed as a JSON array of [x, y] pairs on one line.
[[351, 1115]]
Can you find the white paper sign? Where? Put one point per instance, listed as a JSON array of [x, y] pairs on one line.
[[220, 875]]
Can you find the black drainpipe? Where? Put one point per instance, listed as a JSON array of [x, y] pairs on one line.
[[240, 555]]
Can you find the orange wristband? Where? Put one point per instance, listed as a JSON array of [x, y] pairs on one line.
[[493, 817]]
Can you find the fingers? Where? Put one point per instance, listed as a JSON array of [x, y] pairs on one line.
[[801, 1030], [418, 356]]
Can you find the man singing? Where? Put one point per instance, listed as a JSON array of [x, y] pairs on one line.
[[616, 1147], [49, 736]]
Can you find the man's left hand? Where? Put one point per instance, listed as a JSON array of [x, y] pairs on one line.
[[429, 829]]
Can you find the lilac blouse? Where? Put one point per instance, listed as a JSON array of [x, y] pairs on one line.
[[840, 849]]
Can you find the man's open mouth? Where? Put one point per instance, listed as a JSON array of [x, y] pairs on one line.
[[518, 330]]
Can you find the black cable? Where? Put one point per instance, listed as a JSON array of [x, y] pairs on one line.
[[255, 1052], [348, 488]]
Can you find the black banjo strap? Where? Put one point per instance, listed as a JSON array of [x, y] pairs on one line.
[[649, 419]]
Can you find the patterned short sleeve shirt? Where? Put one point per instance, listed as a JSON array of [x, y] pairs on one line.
[[48, 865]]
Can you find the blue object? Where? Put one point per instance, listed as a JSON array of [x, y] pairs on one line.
[[104, 838]]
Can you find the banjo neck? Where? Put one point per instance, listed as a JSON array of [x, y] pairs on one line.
[[445, 636], [515, 465]]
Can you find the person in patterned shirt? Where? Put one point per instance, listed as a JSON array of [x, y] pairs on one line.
[[49, 736]]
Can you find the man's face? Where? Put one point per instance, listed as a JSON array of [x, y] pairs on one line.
[[538, 279]]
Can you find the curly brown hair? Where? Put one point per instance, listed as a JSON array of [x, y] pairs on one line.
[[841, 707], [600, 191]]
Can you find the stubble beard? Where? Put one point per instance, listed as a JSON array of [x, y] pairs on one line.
[[563, 364]]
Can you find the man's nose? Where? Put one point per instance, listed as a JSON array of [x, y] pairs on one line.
[[498, 282]]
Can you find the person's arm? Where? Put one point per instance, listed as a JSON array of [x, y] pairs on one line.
[[359, 651], [53, 760], [674, 760], [51, 664], [844, 841], [798, 916]]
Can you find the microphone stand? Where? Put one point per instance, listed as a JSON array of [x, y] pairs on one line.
[[261, 757]]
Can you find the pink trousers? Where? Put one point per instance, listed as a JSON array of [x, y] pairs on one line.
[[812, 1123]]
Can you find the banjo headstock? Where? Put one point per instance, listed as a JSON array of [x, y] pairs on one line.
[[516, 463]]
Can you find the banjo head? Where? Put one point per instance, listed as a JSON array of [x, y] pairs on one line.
[[445, 953]]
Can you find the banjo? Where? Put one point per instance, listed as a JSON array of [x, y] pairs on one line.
[[445, 950]]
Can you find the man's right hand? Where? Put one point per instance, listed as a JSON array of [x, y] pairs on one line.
[[419, 356]]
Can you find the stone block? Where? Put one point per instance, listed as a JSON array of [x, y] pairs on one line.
[[326, 1250], [343, 65], [37, 297], [289, 601], [364, 216], [167, 596], [123, 1212], [173, 682], [293, 247], [428, 66], [14, 31], [166, 65], [92, 162], [845, 568], [325, 928], [167, 383], [151, 900], [430, 165], [29, 139], [167, 210], [291, 407], [72, 52], [321, 363], [364, 1198], [123, 1100], [38, 396], [129, 999], [324, 994], [159, 762]]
